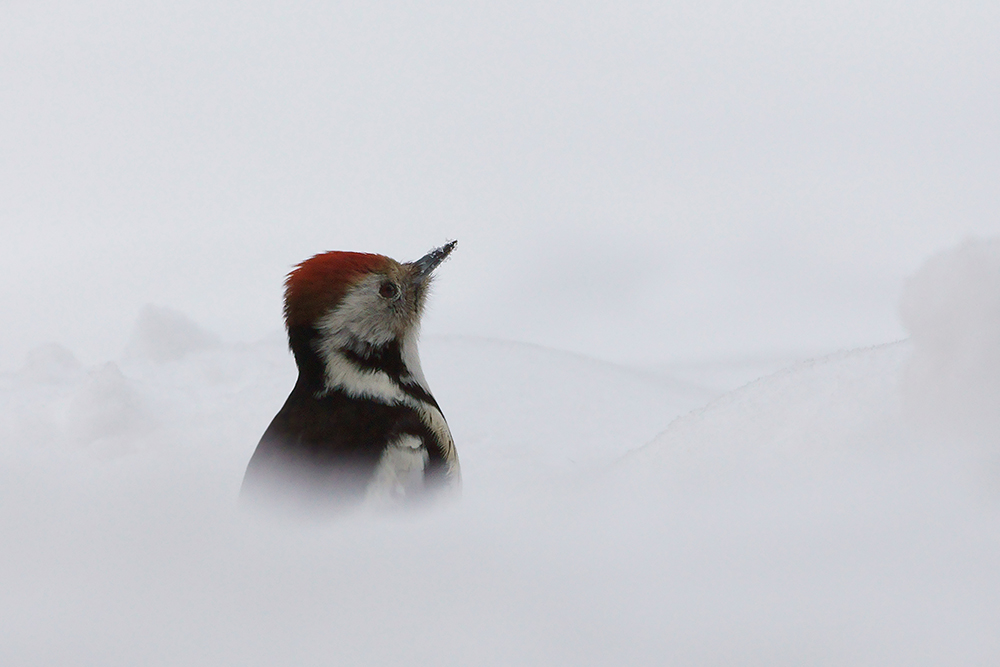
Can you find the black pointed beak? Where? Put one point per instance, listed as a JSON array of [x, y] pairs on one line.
[[423, 267]]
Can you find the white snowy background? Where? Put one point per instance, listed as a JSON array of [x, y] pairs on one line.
[[719, 345]]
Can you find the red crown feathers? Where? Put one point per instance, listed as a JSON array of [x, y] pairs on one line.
[[320, 282]]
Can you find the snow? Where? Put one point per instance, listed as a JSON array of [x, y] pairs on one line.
[[610, 515], [691, 236]]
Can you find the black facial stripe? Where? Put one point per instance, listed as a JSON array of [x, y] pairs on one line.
[[388, 359], [414, 390]]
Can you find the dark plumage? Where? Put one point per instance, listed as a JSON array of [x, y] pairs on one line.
[[360, 422]]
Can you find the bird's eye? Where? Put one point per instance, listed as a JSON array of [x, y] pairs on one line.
[[388, 291]]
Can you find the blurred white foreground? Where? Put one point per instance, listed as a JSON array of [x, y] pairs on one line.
[[841, 511]]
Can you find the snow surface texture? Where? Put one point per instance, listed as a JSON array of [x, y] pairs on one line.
[[810, 517]]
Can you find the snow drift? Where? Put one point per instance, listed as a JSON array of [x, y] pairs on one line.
[[810, 517]]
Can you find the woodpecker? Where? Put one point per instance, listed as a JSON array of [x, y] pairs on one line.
[[361, 423]]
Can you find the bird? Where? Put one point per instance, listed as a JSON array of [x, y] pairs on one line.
[[360, 426]]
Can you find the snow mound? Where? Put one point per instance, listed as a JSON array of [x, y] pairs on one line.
[[814, 411], [866, 402], [952, 309], [107, 412], [807, 518], [522, 414]]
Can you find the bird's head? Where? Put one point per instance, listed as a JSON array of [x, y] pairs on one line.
[[359, 301]]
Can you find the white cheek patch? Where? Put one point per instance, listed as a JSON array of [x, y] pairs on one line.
[[362, 315], [400, 472]]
